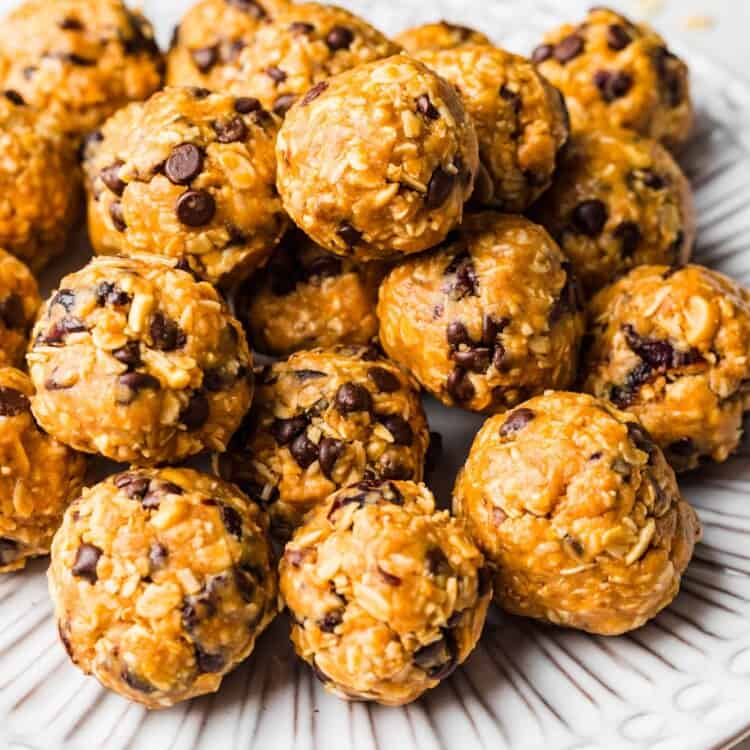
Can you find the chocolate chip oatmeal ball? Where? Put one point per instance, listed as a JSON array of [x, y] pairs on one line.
[[579, 513], [618, 200], [138, 361], [388, 595], [379, 161], [211, 36], [78, 60], [39, 476], [304, 45], [40, 184], [489, 318], [307, 298], [190, 175], [19, 302], [321, 420], [521, 121], [615, 72], [672, 346], [162, 580], [438, 36]]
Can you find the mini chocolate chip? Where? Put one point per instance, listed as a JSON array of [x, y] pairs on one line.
[[275, 74], [339, 37], [14, 97], [166, 335], [349, 234], [651, 179], [196, 412], [331, 620], [251, 7], [301, 27], [285, 430], [199, 92], [330, 451], [205, 58], [541, 53], [439, 189], [108, 293], [136, 682], [111, 178], [70, 24], [613, 85], [476, 359], [629, 234], [385, 381], [426, 107], [64, 297], [283, 104], [617, 37], [390, 468], [231, 130], [389, 578], [208, 662], [492, 327], [12, 313], [304, 451], [118, 217], [589, 217], [516, 421], [352, 397], [313, 93], [459, 386], [129, 354], [232, 520], [498, 356], [568, 48], [137, 381], [466, 282], [457, 334], [399, 428], [244, 105], [76, 59], [59, 330], [12, 402], [85, 563], [196, 208], [183, 164], [9, 552], [684, 447], [135, 486]]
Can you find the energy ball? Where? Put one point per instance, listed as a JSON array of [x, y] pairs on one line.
[[39, 476], [137, 361], [520, 119], [190, 175], [579, 513], [210, 37], [19, 302], [78, 61], [40, 184], [307, 298], [379, 161], [321, 420], [615, 72], [388, 595], [488, 319], [162, 581], [438, 36], [672, 346], [305, 45]]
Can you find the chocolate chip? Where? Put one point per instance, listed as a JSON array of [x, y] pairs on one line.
[[276, 74], [589, 217], [111, 178], [629, 234], [658, 353], [301, 27], [64, 297], [184, 164], [70, 24], [196, 208], [136, 682], [426, 107], [331, 620], [304, 375], [232, 520], [135, 486], [456, 334], [459, 386], [623, 395], [107, 293], [349, 234], [330, 451], [166, 334], [199, 92], [568, 48], [206, 661], [244, 105], [231, 130], [9, 551], [390, 468], [313, 93], [285, 430], [617, 37], [85, 563], [118, 217], [684, 447], [12, 313], [205, 58], [541, 53], [59, 330], [14, 97], [283, 104], [399, 428], [492, 327], [251, 7], [129, 354], [651, 179], [385, 381], [465, 282], [196, 412], [439, 189], [612, 85], [389, 578], [304, 451], [339, 37], [352, 397], [12, 402], [76, 59], [476, 359], [137, 381], [516, 421]]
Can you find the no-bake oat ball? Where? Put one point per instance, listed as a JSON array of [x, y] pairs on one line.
[[520, 119], [379, 161], [19, 302], [618, 200], [438, 36], [321, 420], [307, 298], [303, 46], [388, 595], [40, 184], [210, 37], [189, 175], [672, 346], [579, 513], [489, 318], [162, 581], [39, 476], [136, 360], [78, 61], [613, 72]]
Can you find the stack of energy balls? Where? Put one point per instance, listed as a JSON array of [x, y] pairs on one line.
[[386, 216]]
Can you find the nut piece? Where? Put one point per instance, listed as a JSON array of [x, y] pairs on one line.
[[162, 580], [438, 36], [576, 508], [672, 345], [380, 162], [388, 595]]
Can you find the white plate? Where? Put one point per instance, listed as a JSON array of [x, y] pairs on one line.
[[681, 682]]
